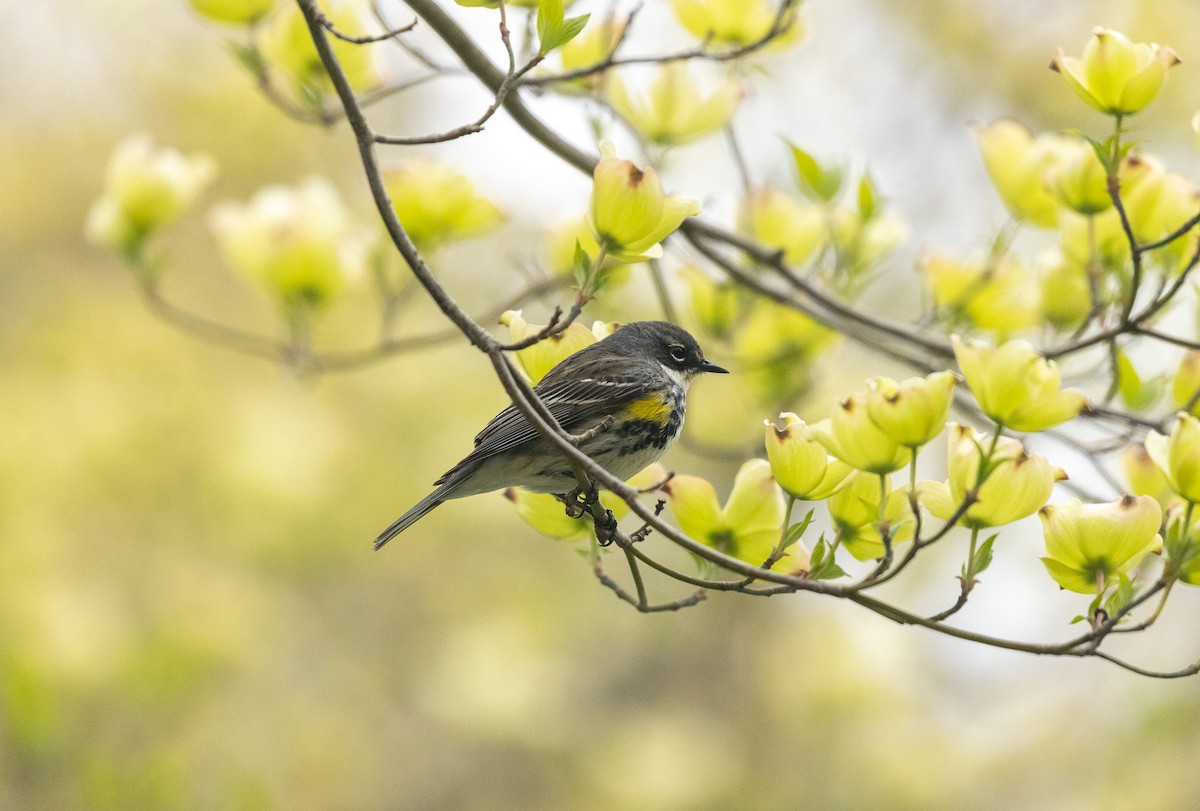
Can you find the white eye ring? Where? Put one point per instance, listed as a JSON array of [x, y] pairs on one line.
[[678, 353]]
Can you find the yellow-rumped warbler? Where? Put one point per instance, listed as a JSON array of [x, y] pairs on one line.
[[638, 376]]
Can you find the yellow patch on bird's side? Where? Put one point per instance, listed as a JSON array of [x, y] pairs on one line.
[[652, 409]]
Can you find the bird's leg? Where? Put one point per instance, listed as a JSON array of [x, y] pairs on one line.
[[606, 528], [580, 500]]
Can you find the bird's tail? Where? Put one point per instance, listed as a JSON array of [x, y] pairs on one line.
[[422, 508]]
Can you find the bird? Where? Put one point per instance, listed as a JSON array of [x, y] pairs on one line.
[[634, 380]]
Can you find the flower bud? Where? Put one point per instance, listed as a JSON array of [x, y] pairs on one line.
[[1097, 241], [1185, 387], [543, 356], [776, 347], [673, 110], [1015, 386], [1017, 486], [854, 511], [145, 188], [851, 435], [287, 47], [913, 412], [1065, 295], [1089, 546], [1178, 456], [714, 304], [734, 22], [1078, 180], [778, 221], [1016, 162], [298, 242], [1158, 203], [234, 12], [594, 44], [863, 242], [801, 465], [548, 516], [748, 527], [997, 294], [1143, 476], [631, 213], [437, 204], [1114, 75]]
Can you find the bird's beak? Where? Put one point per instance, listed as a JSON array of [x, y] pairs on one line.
[[712, 368]]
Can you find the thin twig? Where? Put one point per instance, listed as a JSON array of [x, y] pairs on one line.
[[780, 25], [366, 38], [511, 77]]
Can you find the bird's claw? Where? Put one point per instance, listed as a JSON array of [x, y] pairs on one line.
[[580, 500], [606, 528]]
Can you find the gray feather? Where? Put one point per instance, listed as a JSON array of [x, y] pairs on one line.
[[448, 484]]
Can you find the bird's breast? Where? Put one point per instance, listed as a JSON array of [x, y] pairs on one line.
[[655, 408], [651, 423]]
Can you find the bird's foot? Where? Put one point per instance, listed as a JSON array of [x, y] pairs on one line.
[[580, 500], [606, 528]]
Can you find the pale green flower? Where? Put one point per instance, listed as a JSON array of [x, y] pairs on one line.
[[801, 465], [1088, 546], [631, 213], [748, 526], [1114, 74], [1016, 386]]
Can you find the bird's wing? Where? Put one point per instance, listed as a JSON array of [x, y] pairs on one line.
[[592, 393]]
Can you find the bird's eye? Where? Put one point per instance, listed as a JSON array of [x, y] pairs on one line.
[[678, 353]]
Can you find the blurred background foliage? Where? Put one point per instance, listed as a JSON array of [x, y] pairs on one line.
[[190, 614]]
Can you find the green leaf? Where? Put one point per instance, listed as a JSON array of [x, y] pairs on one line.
[[581, 266], [1120, 597], [818, 556], [311, 97], [1103, 152], [250, 58], [983, 557], [867, 198], [705, 567], [1129, 383], [600, 281], [553, 31], [828, 571], [1180, 547], [821, 565], [549, 20], [814, 180], [796, 531], [1138, 394], [567, 32]]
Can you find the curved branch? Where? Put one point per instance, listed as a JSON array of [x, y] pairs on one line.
[[211, 331], [1190, 670], [531, 407]]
